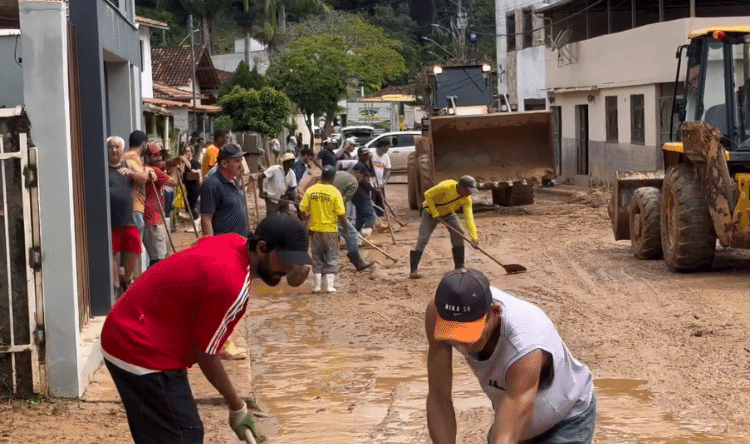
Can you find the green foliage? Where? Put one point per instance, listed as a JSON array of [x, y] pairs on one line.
[[244, 78], [223, 122], [264, 111], [312, 73], [173, 36]]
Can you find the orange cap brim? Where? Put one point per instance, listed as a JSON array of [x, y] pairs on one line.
[[465, 332]]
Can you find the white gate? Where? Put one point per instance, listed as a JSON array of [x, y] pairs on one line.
[[21, 307]]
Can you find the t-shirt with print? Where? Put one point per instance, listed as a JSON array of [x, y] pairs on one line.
[[379, 164], [120, 197], [193, 298], [153, 206], [324, 203], [277, 183], [140, 192]]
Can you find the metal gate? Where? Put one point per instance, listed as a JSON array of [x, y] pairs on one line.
[[21, 313]]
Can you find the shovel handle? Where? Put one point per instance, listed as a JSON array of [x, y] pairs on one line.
[[509, 268]]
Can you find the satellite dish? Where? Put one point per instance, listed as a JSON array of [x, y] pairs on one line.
[[550, 43], [563, 38]]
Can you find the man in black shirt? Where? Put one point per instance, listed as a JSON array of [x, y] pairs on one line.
[[222, 205]]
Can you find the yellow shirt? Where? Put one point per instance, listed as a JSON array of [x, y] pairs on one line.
[[324, 204], [209, 158], [443, 199]]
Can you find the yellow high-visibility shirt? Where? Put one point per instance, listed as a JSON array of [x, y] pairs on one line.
[[324, 204], [443, 199], [209, 158]]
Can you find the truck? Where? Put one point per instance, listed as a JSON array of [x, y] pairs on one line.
[[703, 193], [466, 133], [382, 116]]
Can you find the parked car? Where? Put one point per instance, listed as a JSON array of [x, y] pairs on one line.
[[361, 133], [402, 143]]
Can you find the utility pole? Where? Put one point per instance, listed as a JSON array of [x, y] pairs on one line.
[[461, 25], [192, 72]]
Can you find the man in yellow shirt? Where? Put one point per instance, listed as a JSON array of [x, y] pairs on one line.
[[442, 201], [322, 204], [212, 152]]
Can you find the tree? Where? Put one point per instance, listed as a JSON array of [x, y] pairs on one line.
[[207, 11], [265, 111], [244, 78], [313, 73]]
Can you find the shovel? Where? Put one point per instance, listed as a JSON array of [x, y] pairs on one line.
[[509, 268]]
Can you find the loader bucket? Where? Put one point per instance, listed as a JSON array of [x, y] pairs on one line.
[[499, 147], [622, 194]]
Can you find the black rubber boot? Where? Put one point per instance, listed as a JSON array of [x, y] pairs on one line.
[[358, 262], [414, 257], [458, 257]]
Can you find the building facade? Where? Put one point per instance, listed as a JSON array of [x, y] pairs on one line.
[[611, 81]]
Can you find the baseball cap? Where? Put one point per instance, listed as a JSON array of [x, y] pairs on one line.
[[362, 168], [230, 151], [286, 157], [463, 299], [328, 173], [469, 183], [286, 236]]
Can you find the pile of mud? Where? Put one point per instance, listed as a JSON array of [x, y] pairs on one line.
[[594, 198]]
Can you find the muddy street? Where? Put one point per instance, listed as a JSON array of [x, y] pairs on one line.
[[668, 351]]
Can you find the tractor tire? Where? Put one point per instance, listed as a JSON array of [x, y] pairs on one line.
[[645, 223], [688, 238], [512, 196], [426, 180], [412, 174]]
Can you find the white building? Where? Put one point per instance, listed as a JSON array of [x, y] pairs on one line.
[[258, 57], [610, 86]]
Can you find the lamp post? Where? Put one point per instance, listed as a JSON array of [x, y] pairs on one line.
[[192, 73]]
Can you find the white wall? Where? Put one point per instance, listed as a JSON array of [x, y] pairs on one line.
[[639, 56], [120, 103], [11, 94], [147, 84], [530, 74], [229, 62]]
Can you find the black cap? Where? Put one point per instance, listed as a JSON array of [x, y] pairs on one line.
[[383, 141], [328, 172], [230, 151], [362, 168], [287, 236], [463, 299], [469, 183]]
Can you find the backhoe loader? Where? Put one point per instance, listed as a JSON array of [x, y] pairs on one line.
[[703, 194]]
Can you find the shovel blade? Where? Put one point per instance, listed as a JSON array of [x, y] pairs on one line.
[[514, 268]]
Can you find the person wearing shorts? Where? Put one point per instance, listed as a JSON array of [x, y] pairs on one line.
[[126, 237]]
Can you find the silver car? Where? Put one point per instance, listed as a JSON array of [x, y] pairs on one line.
[[402, 143]]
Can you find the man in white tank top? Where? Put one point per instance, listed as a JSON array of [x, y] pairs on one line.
[[540, 393]]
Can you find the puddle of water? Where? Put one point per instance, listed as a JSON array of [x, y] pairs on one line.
[[318, 393], [625, 414]]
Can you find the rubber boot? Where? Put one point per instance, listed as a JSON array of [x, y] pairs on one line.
[[318, 279], [358, 262], [458, 257], [329, 283], [414, 257]]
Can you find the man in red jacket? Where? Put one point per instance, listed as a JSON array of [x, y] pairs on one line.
[[179, 313]]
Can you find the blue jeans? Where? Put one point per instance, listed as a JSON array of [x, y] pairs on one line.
[[352, 246], [576, 430], [366, 216]]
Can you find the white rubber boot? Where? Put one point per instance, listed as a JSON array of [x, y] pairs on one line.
[[329, 283], [318, 279]]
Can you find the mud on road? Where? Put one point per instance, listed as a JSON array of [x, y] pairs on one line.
[[668, 351]]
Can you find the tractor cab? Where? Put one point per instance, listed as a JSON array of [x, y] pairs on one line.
[[717, 86]]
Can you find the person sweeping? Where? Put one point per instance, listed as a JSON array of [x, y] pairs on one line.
[[441, 203]]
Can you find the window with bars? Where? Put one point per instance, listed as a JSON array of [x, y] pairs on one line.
[[637, 120], [610, 111]]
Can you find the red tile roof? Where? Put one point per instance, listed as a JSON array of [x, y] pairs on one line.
[[162, 91], [151, 23], [224, 76], [211, 109], [171, 66]]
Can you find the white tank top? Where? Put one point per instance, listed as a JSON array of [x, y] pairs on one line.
[[525, 328]]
